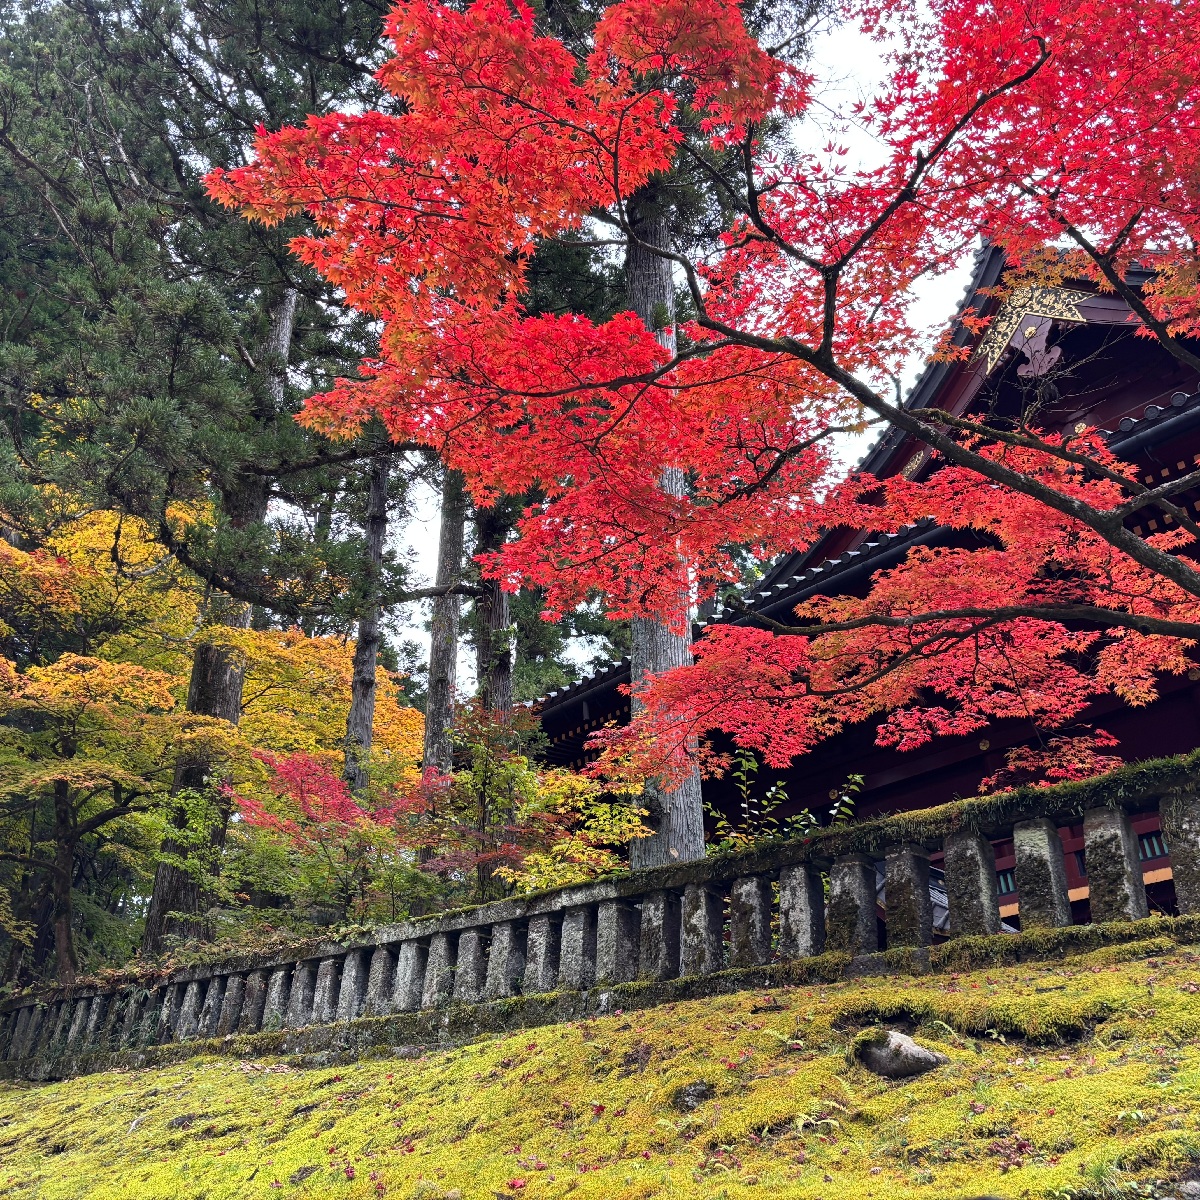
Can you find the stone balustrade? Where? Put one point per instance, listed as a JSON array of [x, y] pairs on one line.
[[789, 900]]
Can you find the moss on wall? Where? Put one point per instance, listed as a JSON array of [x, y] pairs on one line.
[[1074, 1079]]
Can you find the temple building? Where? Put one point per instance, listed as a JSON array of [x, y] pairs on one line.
[[1083, 352]]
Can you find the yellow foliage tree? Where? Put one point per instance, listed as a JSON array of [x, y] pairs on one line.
[[86, 743]]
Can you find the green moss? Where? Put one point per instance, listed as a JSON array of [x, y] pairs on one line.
[[1064, 1079]]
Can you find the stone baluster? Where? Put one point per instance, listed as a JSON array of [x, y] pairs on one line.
[[1114, 872], [851, 920], [149, 1017], [801, 911], [379, 983], [275, 1008], [970, 870], [617, 942], [34, 1015], [169, 1016], [471, 967], [506, 960], [908, 908], [78, 1024], [45, 1031], [352, 990], [210, 1011], [16, 1043], [52, 1028], [409, 981], [750, 921], [325, 991], [1040, 875], [300, 997], [56, 1029], [230, 1019], [19, 1032], [189, 1011], [108, 1034], [577, 949], [132, 1005], [701, 933], [1180, 817], [543, 942], [658, 954], [7, 1024], [33, 1031], [439, 970], [254, 1002], [16, 1032], [33, 1028], [97, 1019]]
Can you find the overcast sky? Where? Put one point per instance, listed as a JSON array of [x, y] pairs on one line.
[[849, 67]]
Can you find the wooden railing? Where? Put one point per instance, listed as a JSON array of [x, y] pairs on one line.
[[787, 900]]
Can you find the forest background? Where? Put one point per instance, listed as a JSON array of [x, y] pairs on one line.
[[626, 370], [213, 722]]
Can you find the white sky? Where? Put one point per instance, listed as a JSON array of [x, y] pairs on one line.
[[849, 67]]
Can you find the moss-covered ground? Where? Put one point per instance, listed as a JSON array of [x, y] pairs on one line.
[[1075, 1079]]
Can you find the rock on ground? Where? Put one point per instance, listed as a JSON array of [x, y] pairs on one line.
[[894, 1055]]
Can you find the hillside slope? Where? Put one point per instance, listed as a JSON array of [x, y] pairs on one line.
[[1079, 1079]]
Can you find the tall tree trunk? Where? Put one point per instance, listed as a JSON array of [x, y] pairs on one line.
[[676, 815], [443, 640], [66, 960], [493, 633], [215, 687], [361, 720]]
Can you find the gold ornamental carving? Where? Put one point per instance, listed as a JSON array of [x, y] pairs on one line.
[[1054, 303]]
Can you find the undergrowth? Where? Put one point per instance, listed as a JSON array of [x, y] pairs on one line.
[[1073, 1081]]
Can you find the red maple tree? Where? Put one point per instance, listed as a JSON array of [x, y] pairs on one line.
[[1062, 130]]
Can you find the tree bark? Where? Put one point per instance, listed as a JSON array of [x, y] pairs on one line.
[[361, 719], [676, 815], [443, 640], [493, 633], [215, 687]]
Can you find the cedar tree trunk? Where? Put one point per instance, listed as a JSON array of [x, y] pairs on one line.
[[361, 720], [677, 815], [493, 634], [443, 641]]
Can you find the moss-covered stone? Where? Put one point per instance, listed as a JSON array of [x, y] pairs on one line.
[[1075, 1078], [1115, 889], [1041, 876]]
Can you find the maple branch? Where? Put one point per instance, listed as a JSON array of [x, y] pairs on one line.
[[785, 456], [1120, 285], [1142, 496]]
